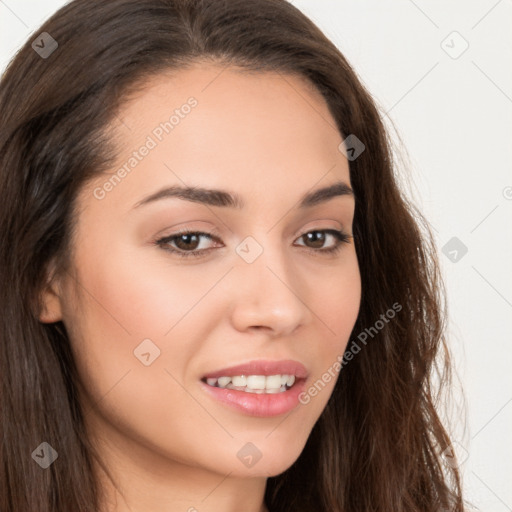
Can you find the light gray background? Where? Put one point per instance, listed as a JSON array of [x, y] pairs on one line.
[[454, 115]]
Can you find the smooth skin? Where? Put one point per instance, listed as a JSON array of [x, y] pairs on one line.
[[270, 139]]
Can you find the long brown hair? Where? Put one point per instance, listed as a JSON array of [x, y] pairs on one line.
[[377, 445]]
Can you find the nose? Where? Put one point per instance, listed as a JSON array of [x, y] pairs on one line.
[[268, 295]]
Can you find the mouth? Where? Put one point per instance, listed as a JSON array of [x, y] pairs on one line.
[[258, 388]]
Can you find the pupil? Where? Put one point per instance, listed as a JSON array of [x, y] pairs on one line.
[[186, 238], [316, 237]]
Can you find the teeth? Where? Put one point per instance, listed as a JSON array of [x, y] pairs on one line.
[[224, 381], [254, 383], [273, 382], [239, 380]]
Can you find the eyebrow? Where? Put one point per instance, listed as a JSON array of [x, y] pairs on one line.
[[223, 198]]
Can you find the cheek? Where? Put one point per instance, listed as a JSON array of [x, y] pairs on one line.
[[122, 303], [127, 299], [338, 302], [141, 294]]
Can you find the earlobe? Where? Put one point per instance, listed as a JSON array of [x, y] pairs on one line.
[[50, 307], [50, 302]]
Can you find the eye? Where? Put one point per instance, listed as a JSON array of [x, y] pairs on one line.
[[339, 238], [188, 243]]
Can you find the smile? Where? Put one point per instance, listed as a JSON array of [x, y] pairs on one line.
[[263, 388], [259, 384]]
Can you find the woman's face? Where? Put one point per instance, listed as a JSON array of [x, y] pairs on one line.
[[148, 324]]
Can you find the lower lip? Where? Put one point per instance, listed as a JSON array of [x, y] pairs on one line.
[[258, 404]]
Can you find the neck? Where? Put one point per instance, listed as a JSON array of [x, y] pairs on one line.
[[142, 481]]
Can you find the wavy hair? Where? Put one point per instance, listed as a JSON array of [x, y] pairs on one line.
[[378, 444]]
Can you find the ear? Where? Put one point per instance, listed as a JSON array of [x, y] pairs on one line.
[[51, 300]]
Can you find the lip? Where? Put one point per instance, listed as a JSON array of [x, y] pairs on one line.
[[260, 405]]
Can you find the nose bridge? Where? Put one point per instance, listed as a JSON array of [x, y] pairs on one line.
[[268, 291]]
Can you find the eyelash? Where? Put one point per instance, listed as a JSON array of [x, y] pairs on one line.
[[340, 236]]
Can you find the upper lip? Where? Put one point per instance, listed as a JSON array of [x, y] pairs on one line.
[[283, 367]]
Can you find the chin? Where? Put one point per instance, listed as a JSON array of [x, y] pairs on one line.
[[272, 464]]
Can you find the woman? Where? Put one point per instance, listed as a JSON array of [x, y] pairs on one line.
[[215, 295]]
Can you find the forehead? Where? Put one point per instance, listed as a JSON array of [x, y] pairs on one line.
[[212, 125], [233, 104]]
